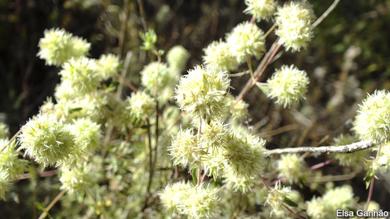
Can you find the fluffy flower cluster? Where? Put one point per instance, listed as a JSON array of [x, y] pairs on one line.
[[372, 123], [107, 66], [193, 201], [333, 199], [46, 140], [201, 92], [10, 165], [177, 58], [141, 105], [291, 167], [219, 58], [58, 46], [246, 40], [287, 86], [294, 21], [76, 179], [80, 74], [156, 76], [277, 197], [260, 9], [224, 152], [184, 148]]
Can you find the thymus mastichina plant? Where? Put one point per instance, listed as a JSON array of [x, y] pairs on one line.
[[180, 144]]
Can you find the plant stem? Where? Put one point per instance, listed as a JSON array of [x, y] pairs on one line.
[[51, 205], [150, 179], [326, 13], [362, 145], [157, 135], [150, 157], [260, 69]]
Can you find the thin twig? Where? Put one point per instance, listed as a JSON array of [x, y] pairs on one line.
[[42, 174], [11, 140], [157, 133], [51, 205], [260, 69], [325, 14], [372, 182], [362, 145], [320, 165], [150, 179]]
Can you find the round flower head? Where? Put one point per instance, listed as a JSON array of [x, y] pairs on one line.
[[4, 131], [107, 66], [155, 77], [219, 58], [184, 148], [294, 21], [333, 199], [291, 167], [75, 179], [172, 195], [141, 105], [81, 74], [287, 86], [260, 9], [193, 201], [177, 58], [246, 40], [9, 161], [372, 122], [201, 92], [46, 140], [58, 46]]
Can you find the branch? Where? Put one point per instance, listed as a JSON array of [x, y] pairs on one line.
[[51, 205], [358, 146], [326, 13]]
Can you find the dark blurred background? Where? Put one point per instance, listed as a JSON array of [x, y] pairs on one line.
[[348, 57]]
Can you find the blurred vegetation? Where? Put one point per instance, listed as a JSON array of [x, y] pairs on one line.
[[348, 57]]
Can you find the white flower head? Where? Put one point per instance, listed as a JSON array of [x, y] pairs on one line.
[[57, 46], [201, 92], [177, 58], [287, 86], [294, 20], [260, 9], [218, 57], [246, 40], [372, 122]]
